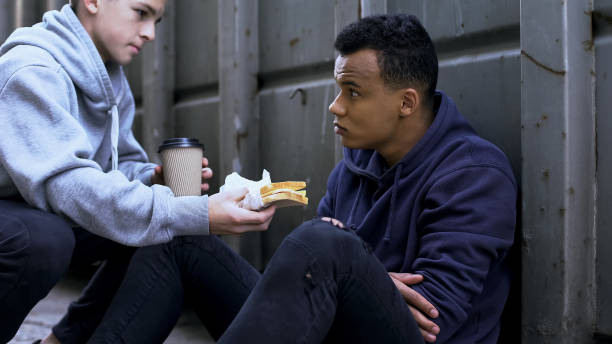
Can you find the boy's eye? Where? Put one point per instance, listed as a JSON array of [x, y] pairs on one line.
[[141, 13], [353, 93]]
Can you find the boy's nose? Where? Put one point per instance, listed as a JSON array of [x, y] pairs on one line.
[[148, 31], [336, 107]]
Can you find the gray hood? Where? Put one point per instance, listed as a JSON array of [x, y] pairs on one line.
[[61, 34]]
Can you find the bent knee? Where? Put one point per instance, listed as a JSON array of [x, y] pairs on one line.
[[325, 237]]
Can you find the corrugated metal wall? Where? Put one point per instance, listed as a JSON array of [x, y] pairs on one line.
[[253, 80]]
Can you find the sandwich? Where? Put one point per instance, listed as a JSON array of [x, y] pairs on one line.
[[284, 194]]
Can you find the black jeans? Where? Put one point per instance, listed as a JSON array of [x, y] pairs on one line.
[[322, 285], [36, 249], [203, 271], [85, 314]]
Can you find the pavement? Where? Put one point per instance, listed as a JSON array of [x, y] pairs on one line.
[[49, 311]]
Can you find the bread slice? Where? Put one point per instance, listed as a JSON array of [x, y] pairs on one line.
[[284, 194], [274, 187], [285, 199]]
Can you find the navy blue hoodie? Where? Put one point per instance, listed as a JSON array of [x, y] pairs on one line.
[[446, 210]]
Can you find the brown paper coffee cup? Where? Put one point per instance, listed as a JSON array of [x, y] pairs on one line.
[[182, 162]]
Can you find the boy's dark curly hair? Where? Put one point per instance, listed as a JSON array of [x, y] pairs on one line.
[[405, 53]]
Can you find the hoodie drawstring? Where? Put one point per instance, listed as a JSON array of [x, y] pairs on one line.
[[398, 173], [114, 136]]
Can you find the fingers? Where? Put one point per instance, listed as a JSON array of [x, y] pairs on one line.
[[334, 222], [204, 162], [253, 221], [407, 278], [415, 299], [207, 173], [250, 217], [226, 217], [429, 329]]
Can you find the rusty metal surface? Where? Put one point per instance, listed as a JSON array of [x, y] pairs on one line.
[[558, 171], [295, 33]]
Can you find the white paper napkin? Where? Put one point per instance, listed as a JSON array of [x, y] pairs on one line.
[[252, 200]]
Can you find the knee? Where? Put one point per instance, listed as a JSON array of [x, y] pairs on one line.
[[326, 239]]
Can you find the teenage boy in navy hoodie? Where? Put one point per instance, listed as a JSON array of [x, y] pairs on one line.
[[67, 149], [418, 192], [414, 231]]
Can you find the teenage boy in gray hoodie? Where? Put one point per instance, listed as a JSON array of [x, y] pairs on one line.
[[68, 159]]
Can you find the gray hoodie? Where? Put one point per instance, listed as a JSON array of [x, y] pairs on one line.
[[66, 143]]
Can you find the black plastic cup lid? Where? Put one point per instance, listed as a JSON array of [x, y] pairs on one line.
[[180, 142]]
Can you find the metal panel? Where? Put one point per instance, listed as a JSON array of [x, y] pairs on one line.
[[54, 4], [603, 55], [196, 35], [373, 7], [297, 140], [558, 171], [239, 103], [295, 33], [28, 12], [446, 19], [486, 89]]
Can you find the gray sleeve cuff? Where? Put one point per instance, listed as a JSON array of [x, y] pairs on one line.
[[188, 216]]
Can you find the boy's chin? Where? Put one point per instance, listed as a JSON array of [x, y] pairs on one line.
[[123, 60]]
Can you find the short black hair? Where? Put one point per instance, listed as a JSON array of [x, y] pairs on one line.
[[405, 53]]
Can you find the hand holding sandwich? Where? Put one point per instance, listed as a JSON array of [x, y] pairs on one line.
[[225, 216]]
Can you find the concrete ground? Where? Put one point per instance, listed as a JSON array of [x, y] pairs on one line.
[[49, 310]]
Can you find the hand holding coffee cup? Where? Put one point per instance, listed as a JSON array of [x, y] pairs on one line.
[[183, 160]]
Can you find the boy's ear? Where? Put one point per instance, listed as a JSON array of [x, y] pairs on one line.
[[411, 100], [91, 6]]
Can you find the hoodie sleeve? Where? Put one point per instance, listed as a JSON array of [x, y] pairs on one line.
[[47, 154], [466, 227], [133, 160]]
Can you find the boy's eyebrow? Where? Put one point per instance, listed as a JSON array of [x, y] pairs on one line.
[[349, 83], [149, 8]]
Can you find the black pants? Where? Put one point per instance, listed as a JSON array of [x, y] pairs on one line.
[[36, 249], [322, 285], [202, 271]]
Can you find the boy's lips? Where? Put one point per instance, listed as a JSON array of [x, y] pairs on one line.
[[137, 48], [338, 129]]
